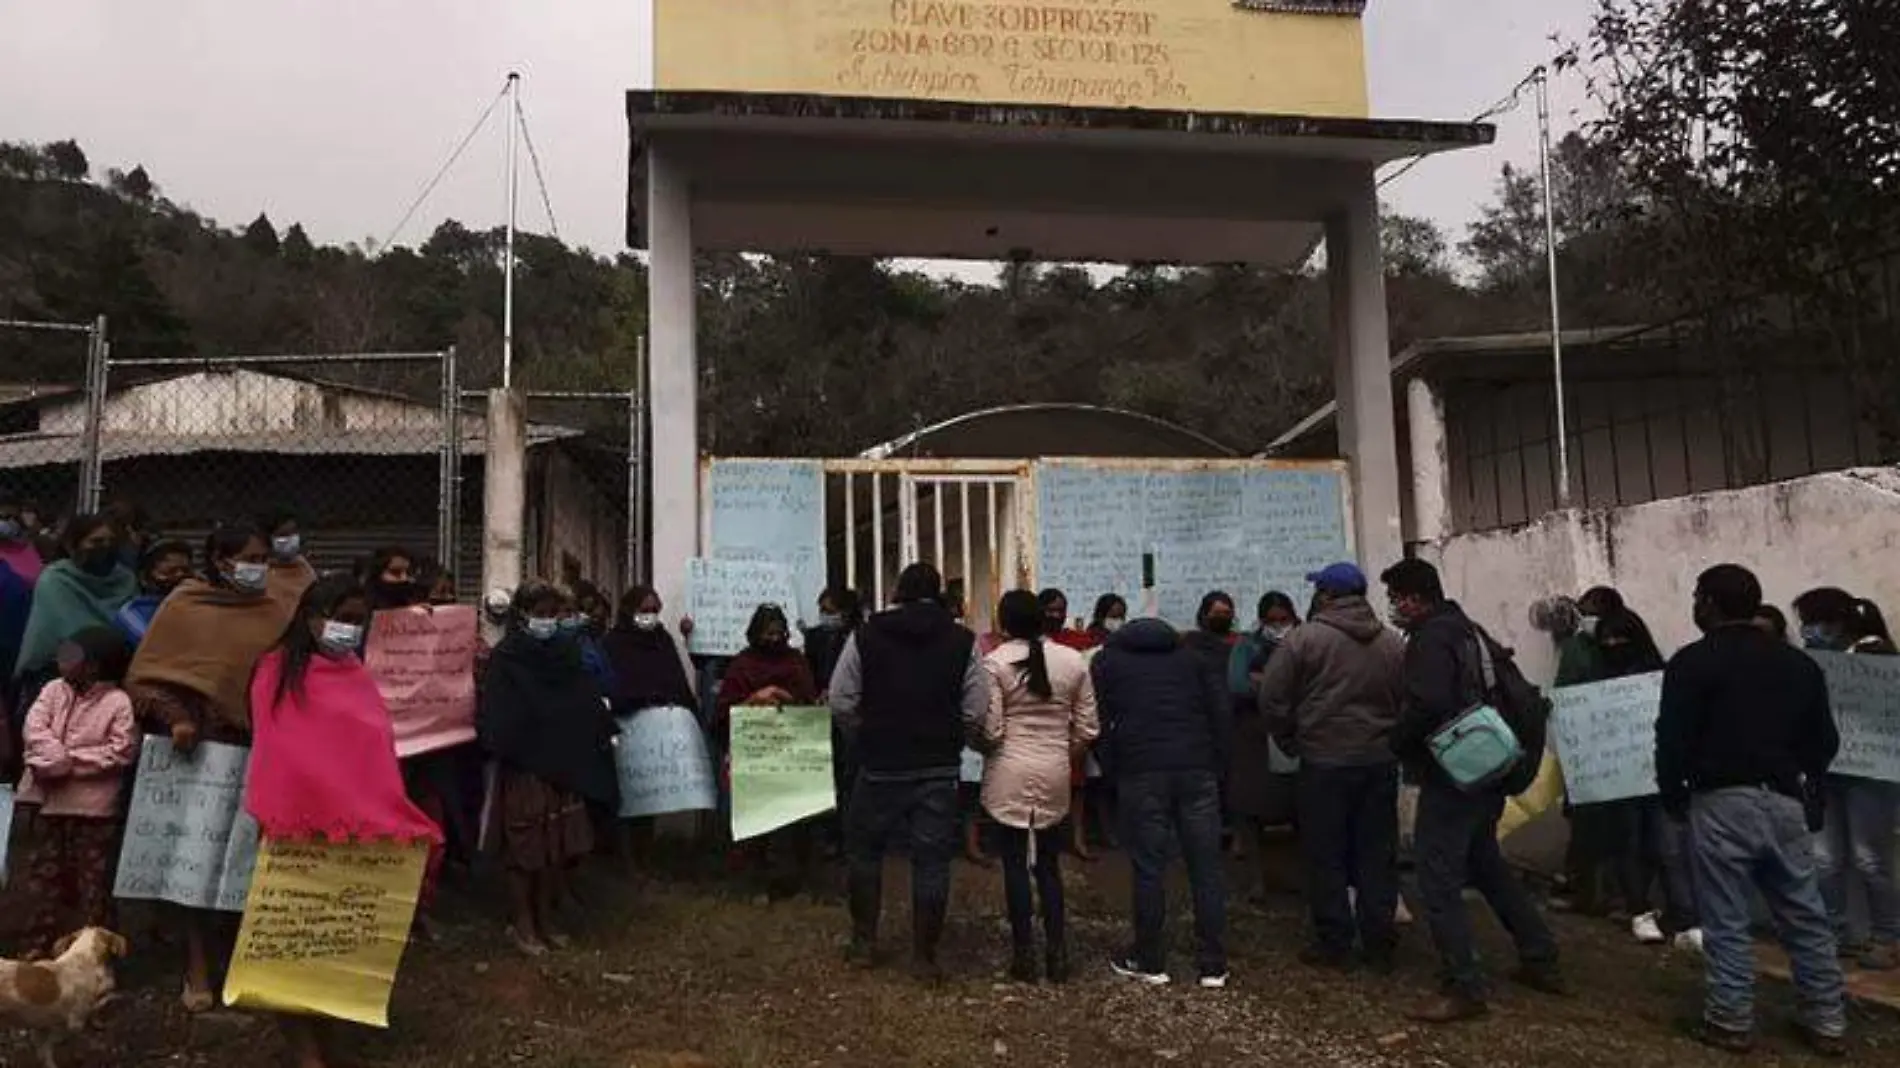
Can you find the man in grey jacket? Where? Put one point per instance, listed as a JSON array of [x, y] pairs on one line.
[[1331, 696]]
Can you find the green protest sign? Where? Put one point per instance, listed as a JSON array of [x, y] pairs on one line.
[[781, 767]]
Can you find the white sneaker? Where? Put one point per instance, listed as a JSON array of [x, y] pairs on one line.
[[1690, 941], [1648, 929], [1403, 917], [1214, 982], [1128, 968]]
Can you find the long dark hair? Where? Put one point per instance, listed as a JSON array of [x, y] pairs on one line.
[[762, 617], [299, 640], [1105, 604], [1857, 616], [1020, 613], [223, 543]]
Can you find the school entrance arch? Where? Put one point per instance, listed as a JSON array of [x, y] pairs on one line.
[[1173, 131]]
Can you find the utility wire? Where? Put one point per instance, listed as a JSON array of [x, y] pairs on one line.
[[1509, 102], [535, 158], [443, 172]]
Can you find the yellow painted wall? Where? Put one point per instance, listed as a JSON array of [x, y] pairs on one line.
[[1195, 55]]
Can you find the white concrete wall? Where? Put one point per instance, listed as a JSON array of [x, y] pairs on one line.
[[1841, 528]]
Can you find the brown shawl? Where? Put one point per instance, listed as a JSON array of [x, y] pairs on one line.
[[287, 582], [205, 640]]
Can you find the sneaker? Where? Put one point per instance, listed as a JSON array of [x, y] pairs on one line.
[[1448, 1009], [1402, 917], [1690, 941], [1833, 1047], [1129, 968], [1726, 1039], [1214, 981], [1543, 978], [1648, 929]]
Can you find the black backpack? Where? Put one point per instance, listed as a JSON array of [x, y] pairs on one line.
[[1502, 685]]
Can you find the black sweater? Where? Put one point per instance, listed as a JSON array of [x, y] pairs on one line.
[[1741, 709]]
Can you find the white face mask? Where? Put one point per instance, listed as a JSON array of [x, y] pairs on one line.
[[1587, 626], [340, 637], [286, 546], [647, 620], [248, 577], [1112, 624], [1277, 631]]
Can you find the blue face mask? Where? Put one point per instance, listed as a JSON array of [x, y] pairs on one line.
[[286, 546], [573, 624], [542, 630], [11, 530], [1815, 636]]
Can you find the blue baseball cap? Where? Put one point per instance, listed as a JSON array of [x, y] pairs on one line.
[[1341, 579]]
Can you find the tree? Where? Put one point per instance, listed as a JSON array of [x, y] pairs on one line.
[[1413, 246], [134, 184], [68, 161], [297, 249], [261, 237]]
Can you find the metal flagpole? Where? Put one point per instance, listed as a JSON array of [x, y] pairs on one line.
[[1542, 78], [508, 259]]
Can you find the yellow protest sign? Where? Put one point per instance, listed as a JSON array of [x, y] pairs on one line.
[[324, 928]]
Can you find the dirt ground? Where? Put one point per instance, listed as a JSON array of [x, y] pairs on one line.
[[686, 970]]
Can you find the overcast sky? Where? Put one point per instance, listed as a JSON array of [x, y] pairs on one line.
[[334, 112]]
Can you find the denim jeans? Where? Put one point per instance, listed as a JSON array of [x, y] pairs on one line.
[[1183, 806], [1859, 838], [1019, 872], [1455, 844], [1349, 836], [1750, 838], [879, 807]]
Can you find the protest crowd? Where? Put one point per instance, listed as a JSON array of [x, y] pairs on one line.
[[352, 730]]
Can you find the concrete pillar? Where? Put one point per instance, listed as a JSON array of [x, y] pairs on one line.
[[504, 491], [1362, 373], [673, 376], [1431, 472]]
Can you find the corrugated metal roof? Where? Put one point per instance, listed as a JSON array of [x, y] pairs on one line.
[[33, 450]]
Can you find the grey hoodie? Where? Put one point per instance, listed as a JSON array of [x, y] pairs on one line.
[[1332, 692]]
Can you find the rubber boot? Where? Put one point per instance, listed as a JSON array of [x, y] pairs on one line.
[[864, 909], [927, 932]]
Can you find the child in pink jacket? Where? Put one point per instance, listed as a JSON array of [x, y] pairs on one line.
[[80, 739]]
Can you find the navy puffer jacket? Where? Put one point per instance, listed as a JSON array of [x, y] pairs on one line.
[[1162, 708]]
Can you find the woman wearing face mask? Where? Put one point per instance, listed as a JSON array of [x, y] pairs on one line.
[[1055, 622], [839, 615], [86, 589], [323, 767], [166, 564], [1861, 813], [542, 719], [1111, 612], [648, 672], [290, 572], [191, 679], [1259, 780], [391, 579], [586, 624], [770, 672]]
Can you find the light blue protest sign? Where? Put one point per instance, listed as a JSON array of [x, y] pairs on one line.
[[772, 512], [1605, 733], [721, 596], [188, 839], [663, 763], [1864, 692]]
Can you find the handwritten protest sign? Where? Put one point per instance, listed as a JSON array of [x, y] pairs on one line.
[[1864, 692], [970, 769], [721, 596], [324, 928], [781, 768], [772, 512], [6, 828], [1606, 737], [663, 763], [423, 661], [187, 839]]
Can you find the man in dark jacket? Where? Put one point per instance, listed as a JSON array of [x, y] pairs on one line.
[[1455, 839], [1167, 728], [907, 688], [1330, 697], [1744, 735]]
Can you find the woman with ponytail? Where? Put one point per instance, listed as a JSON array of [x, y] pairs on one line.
[[1861, 813], [1041, 718]]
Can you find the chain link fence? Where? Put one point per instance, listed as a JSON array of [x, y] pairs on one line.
[[360, 448], [46, 367]]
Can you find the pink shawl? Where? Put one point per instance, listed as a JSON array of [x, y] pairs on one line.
[[324, 763], [23, 559]]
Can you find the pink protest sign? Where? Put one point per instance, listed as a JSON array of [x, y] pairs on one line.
[[423, 661]]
